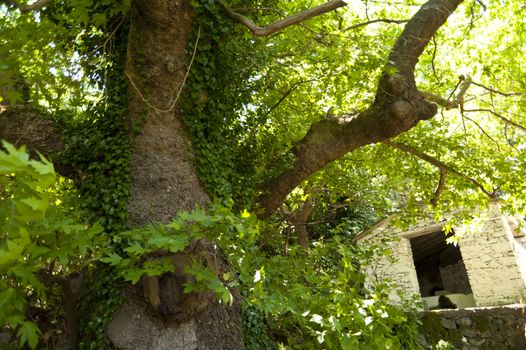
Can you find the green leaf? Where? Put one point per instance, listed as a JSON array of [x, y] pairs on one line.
[[6, 298], [112, 258], [28, 333]]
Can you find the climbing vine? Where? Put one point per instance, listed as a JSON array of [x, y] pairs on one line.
[[230, 156]]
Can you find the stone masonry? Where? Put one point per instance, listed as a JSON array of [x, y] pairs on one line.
[[495, 261]]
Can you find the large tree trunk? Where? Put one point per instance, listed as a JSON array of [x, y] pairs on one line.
[[164, 182]]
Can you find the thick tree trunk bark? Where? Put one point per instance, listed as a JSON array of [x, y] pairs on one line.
[[164, 182]]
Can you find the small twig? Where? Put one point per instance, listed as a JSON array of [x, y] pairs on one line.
[[176, 98], [437, 163], [433, 59], [482, 130], [482, 4], [506, 94], [379, 20], [287, 93], [455, 89], [464, 83], [112, 34], [498, 115], [508, 140], [283, 23]]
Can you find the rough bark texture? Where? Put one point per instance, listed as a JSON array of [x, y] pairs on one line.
[[24, 126], [398, 106], [137, 325], [164, 182]]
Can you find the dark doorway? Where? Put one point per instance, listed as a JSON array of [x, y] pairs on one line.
[[439, 265]]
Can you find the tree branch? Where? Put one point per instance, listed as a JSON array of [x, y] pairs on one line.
[[286, 22], [417, 33], [379, 20], [440, 187], [398, 106], [287, 93], [22, 125], [28, 8], [481, 129], [505, 94], [498, 115], [437, 163], [299, 220]]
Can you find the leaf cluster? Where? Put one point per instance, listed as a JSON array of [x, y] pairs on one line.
[[43, 241]]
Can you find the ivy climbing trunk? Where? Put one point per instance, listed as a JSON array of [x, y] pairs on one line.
[[164, 182]]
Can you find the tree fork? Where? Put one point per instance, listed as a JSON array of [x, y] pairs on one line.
[[398, 106]]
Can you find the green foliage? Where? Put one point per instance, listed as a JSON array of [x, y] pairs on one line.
[[255, 330], [247, 101], [175, 237], [98, 146], [219, 87], [42, 242], [327, 304]]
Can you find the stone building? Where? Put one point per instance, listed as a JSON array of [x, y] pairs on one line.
[[487, 268]]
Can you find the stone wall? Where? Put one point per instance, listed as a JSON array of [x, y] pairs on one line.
[[454, 278], [400, 267], [494, 261], [491, 263], [490, 328]]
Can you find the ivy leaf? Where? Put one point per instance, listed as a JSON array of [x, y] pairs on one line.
[[12, 254]]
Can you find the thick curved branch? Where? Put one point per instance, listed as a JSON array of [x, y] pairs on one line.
[[286, 22], [439, 164], [23, 125], [398, 106], [28, 8], [418, 32]]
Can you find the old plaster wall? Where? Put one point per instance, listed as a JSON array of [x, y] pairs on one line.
[[495, 262]]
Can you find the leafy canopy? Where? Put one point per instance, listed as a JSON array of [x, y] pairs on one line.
[[249, 101]]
